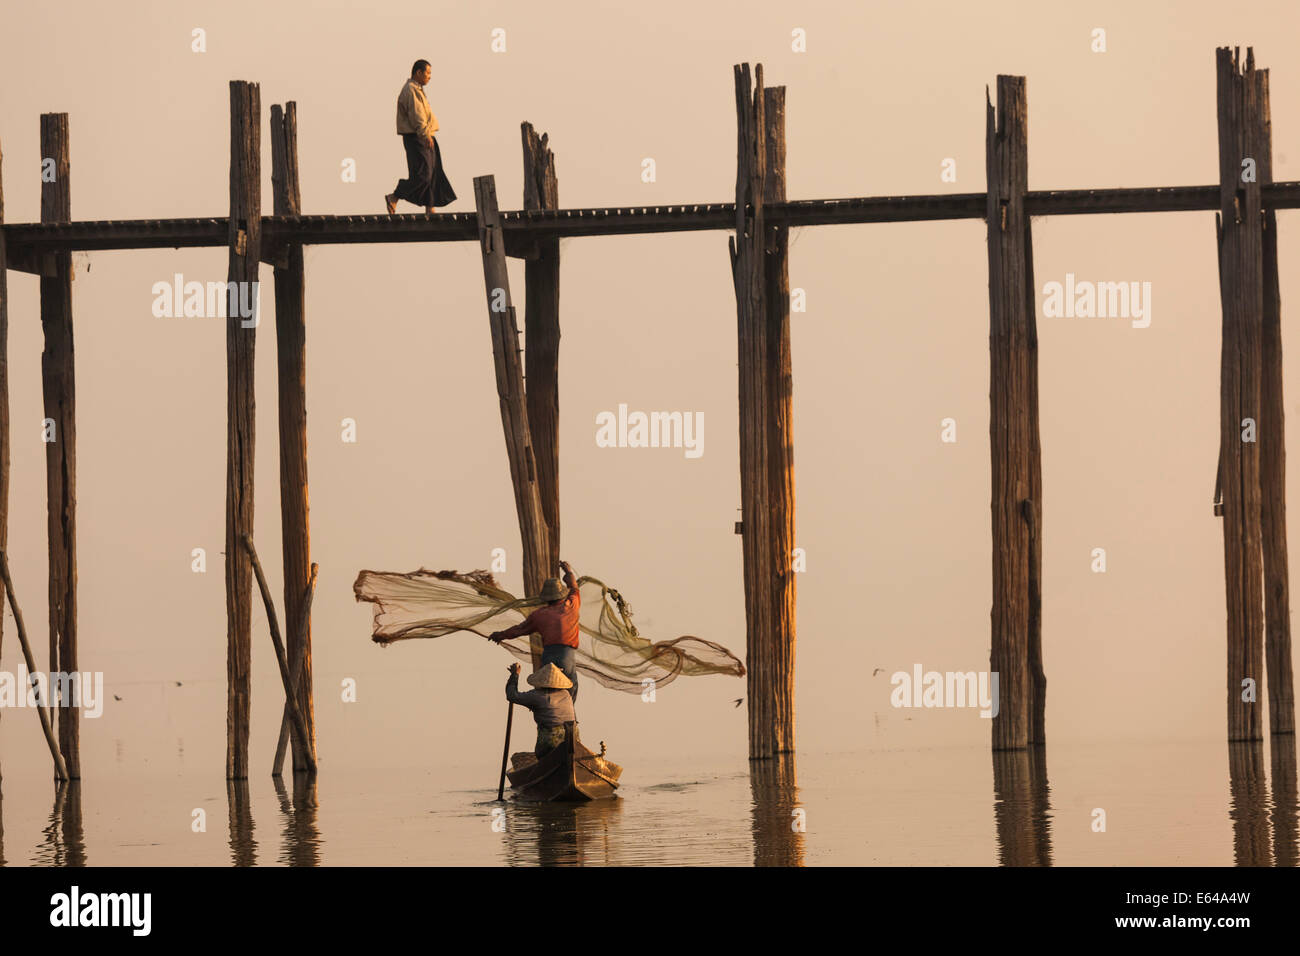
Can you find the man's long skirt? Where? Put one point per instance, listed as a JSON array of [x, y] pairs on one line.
[[426, 184]]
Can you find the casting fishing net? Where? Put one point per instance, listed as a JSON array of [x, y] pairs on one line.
[[436, 603]]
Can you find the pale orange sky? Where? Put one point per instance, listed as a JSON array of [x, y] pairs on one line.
[[894, 523]]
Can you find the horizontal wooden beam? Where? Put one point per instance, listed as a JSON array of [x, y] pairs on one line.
[[37, 264], [524, 228]]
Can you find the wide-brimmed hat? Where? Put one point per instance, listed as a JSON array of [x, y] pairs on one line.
[[552, 590], [550, 677]]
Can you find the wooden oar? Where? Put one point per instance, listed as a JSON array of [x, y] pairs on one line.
[[505, 751]]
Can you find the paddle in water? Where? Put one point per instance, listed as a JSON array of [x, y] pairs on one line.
[[505, 751]]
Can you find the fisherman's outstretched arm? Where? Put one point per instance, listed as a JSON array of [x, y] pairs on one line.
[[519, 630], [569, 580]]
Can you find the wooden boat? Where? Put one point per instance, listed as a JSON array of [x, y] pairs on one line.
[[569, 772]]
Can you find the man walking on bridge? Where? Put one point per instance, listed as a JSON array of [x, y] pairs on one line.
[[426, 184]]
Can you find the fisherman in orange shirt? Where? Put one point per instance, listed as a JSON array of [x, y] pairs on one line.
[[557, 622]]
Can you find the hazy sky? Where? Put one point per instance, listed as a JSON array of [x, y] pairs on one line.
[[895, 524]]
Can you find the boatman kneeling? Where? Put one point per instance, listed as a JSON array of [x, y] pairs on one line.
[[557, 622], [550, 703]]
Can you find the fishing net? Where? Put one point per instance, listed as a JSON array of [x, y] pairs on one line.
[[436, 603]]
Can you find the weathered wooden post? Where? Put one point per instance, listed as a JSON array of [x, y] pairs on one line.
[[244, 238], [1032, 512], [59, 390], [1012, 425], [1272, 454], [542, 338], [42, 706], [4, 385], [510, 390], [779, 412], [746, 249], [287, 676], [295, 669], [1242, 294], [291, 366]]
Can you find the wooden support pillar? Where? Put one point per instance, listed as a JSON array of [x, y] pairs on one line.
[[4, 386], [59, 390], [1012, 418], [510, 391], [245, 235], [1241, 280], [779, 412], [1272, 455], [1032, 512], [746, 249], [542, 338], [291, 366]]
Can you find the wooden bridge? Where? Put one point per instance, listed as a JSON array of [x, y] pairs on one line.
[[1251, 480], [523, 228]]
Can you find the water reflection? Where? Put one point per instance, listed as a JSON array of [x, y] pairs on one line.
[[562, 834], [65, 842], [302, 841], [775, 815], [1248, 806], [1285, 806], [243, 848], [1021, 808]]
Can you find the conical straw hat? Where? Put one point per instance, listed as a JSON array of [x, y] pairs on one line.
[[550, 677]]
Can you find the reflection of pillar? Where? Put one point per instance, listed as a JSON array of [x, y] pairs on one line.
[[243, 848], [64, 843], [1285, 806], [1021, 808], [1248, 809], [777, 819], [301, 835]]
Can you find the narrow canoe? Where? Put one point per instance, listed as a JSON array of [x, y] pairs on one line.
[[570, 772]]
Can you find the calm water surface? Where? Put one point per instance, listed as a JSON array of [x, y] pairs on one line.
[[1176, 803]]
